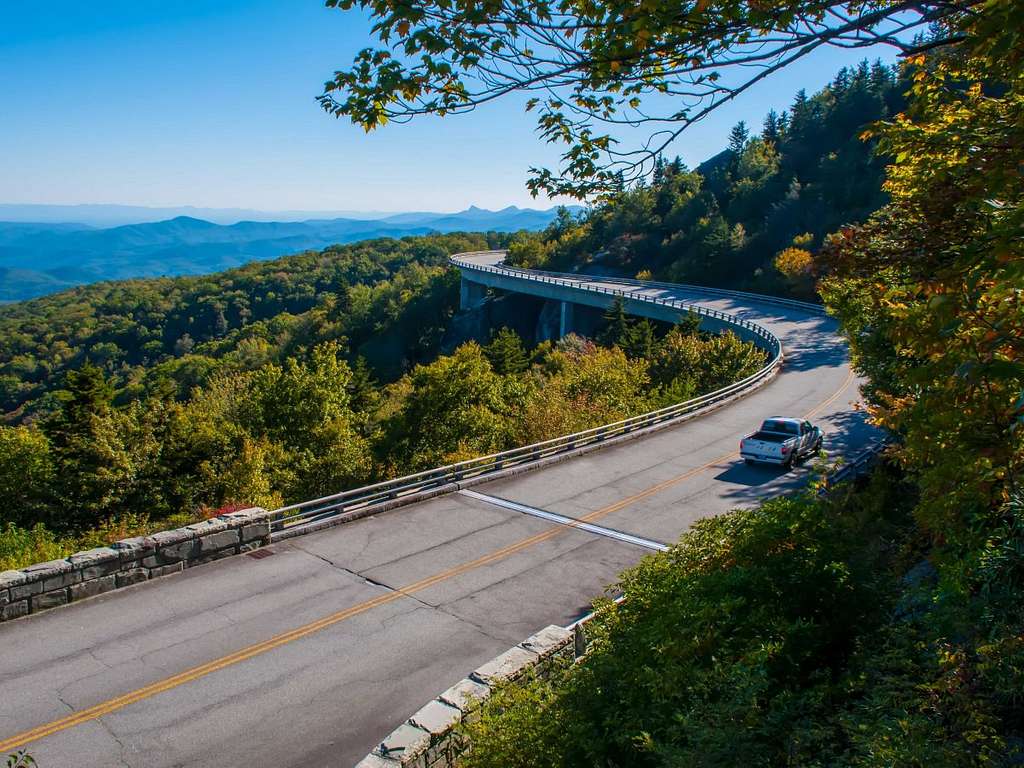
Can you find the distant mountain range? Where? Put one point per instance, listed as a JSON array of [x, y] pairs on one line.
[[38, 258], [116, 215]]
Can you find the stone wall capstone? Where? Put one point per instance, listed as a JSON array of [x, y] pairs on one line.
[[428, 739], [130, 561]]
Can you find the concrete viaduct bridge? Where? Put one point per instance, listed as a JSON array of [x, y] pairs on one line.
[[307, 651], [582, 299]]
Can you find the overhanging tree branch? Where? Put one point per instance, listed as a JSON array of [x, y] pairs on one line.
[[602, 63]]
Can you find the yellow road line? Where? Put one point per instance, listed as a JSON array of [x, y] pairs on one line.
[[119, 702], [826, 403]]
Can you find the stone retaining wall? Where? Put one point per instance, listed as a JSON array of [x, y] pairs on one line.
[[428, 739], [95, 571]]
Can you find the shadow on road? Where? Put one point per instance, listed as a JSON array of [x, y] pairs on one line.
[[741, 473], [846, 433]]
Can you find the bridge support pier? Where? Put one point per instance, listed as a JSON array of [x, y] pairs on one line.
[[565, 324], [471, 294]]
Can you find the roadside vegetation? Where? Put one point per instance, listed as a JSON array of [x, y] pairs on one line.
[[92, 470], [883, 625]]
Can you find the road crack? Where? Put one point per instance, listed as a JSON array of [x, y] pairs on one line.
[[423, 603]]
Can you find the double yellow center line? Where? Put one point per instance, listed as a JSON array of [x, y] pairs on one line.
[[112, 705]]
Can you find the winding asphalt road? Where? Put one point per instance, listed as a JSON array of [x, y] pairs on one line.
[[308, 656]]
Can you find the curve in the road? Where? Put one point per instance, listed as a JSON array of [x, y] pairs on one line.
[[306, 657], [315, 514]]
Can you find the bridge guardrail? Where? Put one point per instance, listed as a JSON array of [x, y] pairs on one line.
[[857, 466], [761, 298], [294, 517]]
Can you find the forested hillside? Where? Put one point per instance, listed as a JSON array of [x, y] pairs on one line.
[[750, 217], [145, 404], [173, 333]]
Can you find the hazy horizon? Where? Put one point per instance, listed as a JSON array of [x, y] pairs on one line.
[[102, 215], [212, 104]]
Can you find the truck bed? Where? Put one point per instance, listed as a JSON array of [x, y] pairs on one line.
[[771, 437]]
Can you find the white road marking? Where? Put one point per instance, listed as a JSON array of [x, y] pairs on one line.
[[553, 517]]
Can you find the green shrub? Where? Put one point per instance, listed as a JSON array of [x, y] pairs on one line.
[[733, 648]]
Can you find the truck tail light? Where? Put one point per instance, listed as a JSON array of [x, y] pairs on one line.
[[785, 450]]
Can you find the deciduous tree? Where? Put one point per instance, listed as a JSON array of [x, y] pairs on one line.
[[588, 68]]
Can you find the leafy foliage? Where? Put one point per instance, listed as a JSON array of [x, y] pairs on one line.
[[595, 66], [806, 174], [122, 450], [929, 289], [20, 759]]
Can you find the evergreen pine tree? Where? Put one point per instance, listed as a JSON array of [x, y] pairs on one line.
[[738, 137], [617, 325], [659, 171], [772, 130], [799, 115], [689, 324], [640, 340], [506, 353], [92, 463], [362, 388]]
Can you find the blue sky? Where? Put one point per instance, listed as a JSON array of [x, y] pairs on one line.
[[212, 103]]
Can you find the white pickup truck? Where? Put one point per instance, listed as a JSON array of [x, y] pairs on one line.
[[781, 441]]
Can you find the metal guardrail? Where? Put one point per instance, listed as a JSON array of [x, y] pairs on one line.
[[760, 298], [773, 345], [857, 466], [306, 513]]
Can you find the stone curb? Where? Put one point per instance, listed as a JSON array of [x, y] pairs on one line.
[[93, 572], [429, 737]]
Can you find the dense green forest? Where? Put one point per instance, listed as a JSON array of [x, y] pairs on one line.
[[750, 217], [152, 403], [385, 299]]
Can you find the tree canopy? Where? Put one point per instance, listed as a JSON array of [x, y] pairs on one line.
[[591, 69], [752, 216]]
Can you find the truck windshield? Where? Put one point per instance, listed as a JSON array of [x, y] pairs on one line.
[[786, 427]]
